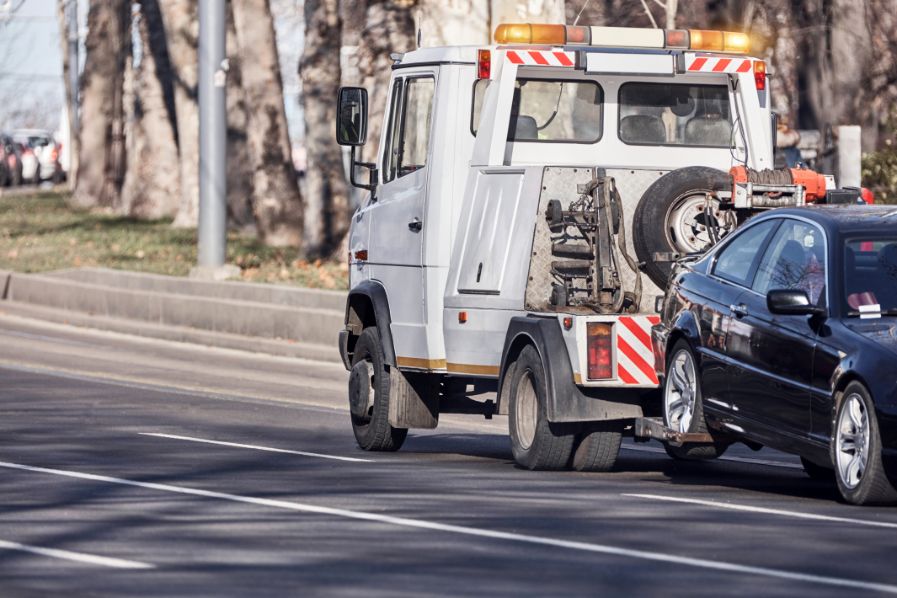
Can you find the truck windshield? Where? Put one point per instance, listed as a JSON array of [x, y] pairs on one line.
[[549, 110], [870, 277], [675, 114]]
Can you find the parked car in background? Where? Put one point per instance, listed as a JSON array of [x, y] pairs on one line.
[[785, 335], [12, 156], [46, 150], [30, 166]]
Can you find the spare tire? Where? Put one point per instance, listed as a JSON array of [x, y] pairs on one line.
[[669, 217]]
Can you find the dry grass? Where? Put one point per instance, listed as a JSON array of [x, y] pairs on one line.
[[38, 232]]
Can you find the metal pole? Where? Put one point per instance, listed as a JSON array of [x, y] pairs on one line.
[[212, 138], [850, 156], [74, 65]]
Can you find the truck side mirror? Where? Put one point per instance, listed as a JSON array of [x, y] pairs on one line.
[[352, 116]]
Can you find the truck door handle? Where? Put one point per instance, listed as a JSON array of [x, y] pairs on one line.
[[415, 225], [739, 310]]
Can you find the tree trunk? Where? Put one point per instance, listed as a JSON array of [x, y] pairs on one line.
[[276, 201], [102, 149], [181, 23], [72, 149], [150, 191], [327, 196], [239, 172]]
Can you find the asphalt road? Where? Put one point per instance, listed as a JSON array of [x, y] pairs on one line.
[[146, 468]]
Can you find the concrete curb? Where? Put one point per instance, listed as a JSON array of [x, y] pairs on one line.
[[306, 317]]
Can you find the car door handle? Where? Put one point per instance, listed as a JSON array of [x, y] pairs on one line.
[[739, 310], [415, 225]]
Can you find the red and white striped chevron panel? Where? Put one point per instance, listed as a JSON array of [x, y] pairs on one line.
[[708, 64], [635, 355], [541, 58]]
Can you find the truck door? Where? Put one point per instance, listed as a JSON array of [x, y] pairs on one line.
[[397, 214]]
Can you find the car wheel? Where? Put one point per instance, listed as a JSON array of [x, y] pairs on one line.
[[369, 396], [816, 472], [856, 450], [536, 443], [682, 407], [598, 446], [670, 218]]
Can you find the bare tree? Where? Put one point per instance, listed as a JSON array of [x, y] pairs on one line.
[[102, 131], [276, 201], [180, 20], [327, 195], [150, 191], [72, 150], [239, 171]]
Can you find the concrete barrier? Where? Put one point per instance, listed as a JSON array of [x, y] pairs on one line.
[[251, 310]]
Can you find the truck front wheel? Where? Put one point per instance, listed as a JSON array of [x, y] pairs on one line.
[[535, 442], [369, 396]]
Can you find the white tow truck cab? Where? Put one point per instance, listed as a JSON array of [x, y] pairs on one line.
[[525, 206]]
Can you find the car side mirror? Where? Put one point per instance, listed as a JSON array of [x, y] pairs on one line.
[[352, 116], [792, 302]]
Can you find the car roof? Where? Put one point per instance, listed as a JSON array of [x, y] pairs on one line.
[[847, 218]]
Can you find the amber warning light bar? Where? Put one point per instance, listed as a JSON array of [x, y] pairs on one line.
[[623, 37]]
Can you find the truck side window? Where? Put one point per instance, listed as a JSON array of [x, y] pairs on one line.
[[411, 112], [675, 114], [543, 110]]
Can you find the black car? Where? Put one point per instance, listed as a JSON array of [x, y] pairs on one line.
[[785, 335]]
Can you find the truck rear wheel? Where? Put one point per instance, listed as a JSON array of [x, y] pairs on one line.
[[598, 446], [369, 396], [535, 442], [671, 218]]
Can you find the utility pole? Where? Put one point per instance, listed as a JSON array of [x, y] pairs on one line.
[[71, 16], [212, 144]]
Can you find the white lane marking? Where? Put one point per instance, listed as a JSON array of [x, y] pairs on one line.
[[80, 557], [654, 449], [255, 447], [765, 510], [476, 532]]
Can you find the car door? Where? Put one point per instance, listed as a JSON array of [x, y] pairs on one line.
[[773, 353], [732, 269]]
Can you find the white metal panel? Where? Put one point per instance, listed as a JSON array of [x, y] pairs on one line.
[[494, 212], [638, 64], [627, 37]]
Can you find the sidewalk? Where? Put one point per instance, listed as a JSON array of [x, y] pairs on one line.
[[265, 318]]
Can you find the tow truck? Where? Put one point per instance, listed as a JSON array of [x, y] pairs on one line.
[[523, 214]]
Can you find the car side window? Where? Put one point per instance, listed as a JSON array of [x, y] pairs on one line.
[[411, 112], [737, 261], [794, 260]]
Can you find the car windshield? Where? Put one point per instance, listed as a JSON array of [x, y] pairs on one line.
[[870, 276]]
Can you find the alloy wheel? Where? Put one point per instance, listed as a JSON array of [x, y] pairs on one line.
[[852, 441], [680, 392]]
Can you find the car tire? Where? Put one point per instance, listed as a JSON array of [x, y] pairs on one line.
[[816, 472], [684, 386], [856, 450], [370, 375], [663, 222], [536, 443], [598, 446]]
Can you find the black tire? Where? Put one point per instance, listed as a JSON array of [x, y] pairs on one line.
[[651, 232], [817, 473], [372, 430], [692, 451], [535, 442], [598, 446], [874, 487]]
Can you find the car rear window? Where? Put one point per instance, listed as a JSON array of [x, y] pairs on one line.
[[675, 114], [554, 111], [870, 276]]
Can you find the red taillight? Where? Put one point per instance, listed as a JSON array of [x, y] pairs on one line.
[[54, 154], [867, 196], [484, 64], [760, 75], [361, 255], [599, 347]]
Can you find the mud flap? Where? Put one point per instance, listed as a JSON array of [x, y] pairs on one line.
[[413, 400]]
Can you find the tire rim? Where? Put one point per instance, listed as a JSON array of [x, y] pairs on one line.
[[685, 232], [852, 441], [526, 411], [680, 392]]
